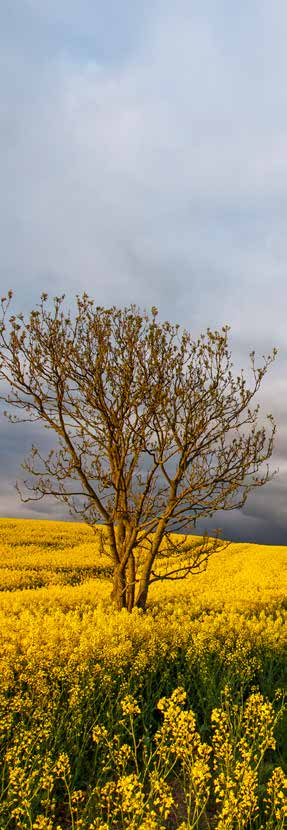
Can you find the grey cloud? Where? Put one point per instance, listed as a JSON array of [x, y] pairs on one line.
[[150, 167], [15, 445], [106, 33]]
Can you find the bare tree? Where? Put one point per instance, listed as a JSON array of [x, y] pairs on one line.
[[150, 428]]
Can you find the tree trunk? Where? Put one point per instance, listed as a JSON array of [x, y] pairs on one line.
[[141, 599], [118, 594], [130, 589]]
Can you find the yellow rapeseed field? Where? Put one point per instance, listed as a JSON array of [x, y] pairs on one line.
[[170, 719]]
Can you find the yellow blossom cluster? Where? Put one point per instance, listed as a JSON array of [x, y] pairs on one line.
[[112, 720]]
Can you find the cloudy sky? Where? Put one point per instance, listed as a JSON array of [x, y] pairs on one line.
[[143, 158]]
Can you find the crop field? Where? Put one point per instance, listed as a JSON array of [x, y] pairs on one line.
[[172, 719]]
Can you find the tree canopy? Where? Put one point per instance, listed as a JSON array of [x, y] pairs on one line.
[[154, 432]]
